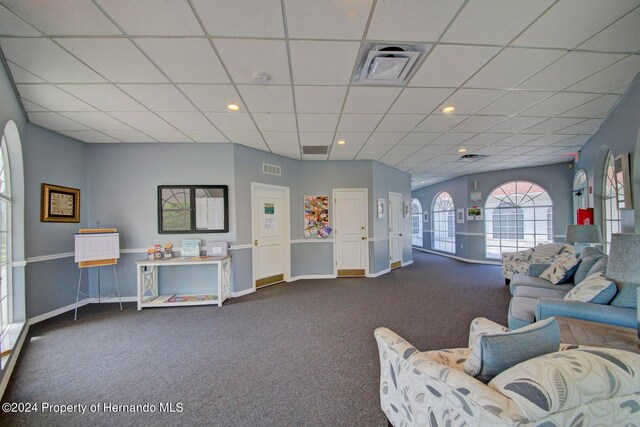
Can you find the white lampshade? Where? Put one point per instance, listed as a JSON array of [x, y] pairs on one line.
[[583, 234]]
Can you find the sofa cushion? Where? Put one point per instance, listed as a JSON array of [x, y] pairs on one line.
[[596, 288], [586, 262], [599, 266], [626, 296], [536, 292], [561, 270], [536, 282], [564, 380], [501, 350], [547, 250]]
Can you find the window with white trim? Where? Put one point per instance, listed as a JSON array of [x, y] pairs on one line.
[[5, 242], [611, 214], [416, 222], [444, 223]]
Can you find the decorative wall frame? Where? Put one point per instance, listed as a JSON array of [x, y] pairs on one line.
[[426, 216], [382, 208], [59, 204], [460, 215], [316, 216], [474, 213]]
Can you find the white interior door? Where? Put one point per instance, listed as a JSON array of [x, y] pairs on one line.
[[270, 230], [395, 230], [350, 232]]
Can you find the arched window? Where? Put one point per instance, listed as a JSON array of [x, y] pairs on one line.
[[611, 214], [518, 215], [444, 223], [416, 222], [579, 192], [5, 241]]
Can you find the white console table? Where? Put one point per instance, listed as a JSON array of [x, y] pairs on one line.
[[148, 292]]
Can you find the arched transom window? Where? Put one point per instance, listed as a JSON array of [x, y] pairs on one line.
[[444, 223]]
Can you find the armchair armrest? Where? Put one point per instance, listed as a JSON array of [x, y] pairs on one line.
[[602, 313]]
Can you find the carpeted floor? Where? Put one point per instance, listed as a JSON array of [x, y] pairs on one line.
[[301, 353]]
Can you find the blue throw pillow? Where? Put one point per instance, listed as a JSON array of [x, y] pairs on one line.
[[596, 289], [585, 265]]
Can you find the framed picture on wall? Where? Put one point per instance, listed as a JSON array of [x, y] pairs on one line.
[[382, 208], [474, 213], [59, 204], [460, 215], [426, 216]]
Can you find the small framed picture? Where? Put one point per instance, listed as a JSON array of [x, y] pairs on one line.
[[382, 208], [426, 216], [460, 215], [59, 204], [406, 209], [474, 213]]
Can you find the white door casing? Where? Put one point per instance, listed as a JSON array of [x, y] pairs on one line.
[[395, 229], [350, 219]]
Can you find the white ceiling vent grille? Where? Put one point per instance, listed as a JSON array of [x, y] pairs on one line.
[[271, 169], [468, 157], [386, 64], [315, 149]]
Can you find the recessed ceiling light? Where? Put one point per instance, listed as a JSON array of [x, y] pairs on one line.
[[342, 142], [462, 150], [233, 107], [449, 109]]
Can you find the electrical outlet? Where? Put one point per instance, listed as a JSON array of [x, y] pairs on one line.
[[461, 246]]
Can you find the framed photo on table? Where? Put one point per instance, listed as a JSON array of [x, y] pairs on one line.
[[59, 204]]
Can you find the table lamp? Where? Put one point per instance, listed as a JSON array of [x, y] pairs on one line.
[[583, 235], [623, 266]]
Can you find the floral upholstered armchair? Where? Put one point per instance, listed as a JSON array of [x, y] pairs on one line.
[[542, 256], [583, 386]]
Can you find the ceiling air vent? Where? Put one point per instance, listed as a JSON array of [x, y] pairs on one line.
[[386, 64], [472, 157], [270, 169], [315, 149]]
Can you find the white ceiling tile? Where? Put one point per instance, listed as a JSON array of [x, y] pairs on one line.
[[90, 136], [545, 140], [453, 138], [30, 106], [622, 36], [419, 100], [354, 140], [116, 59], [20, 75], [158, 97], [339, 153], [512, 66], [385, 138], [468, 101], [450, 66], [248, 138], [52, 98], [493, 21], [47, 60], [71, 17], [516, 124], [185, 60], [358, 122], [233, 121], [267, 98], [486, 138], [611, 78], [488, 150], [11, 24], [570, 22], [316, 138], [317, 122], [153, 17], [478, 123], [515, 101], [212, 136], [440, 122], [518, 139], [370, 99], [281, 138], [569, 69], [399, 122], [247, 18], [244, 58], [392, 159], [372, 152], [188, 121], [578, 140], [97, 120], [328, 19], [597, 108], [275, 122], [558, 103], [286, 151], [129, 136], [516, 151], [585, 128], [319, 99], [54, 121], [404, 149], [552, 125], [103, 97], [168, 136], [411, 20], [214, 98], [420, 138], [142, 121], [323, 63]]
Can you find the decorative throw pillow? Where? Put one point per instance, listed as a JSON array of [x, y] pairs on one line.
[[586, 262], [497, 352], [599, 266], [547, 250], [480, 327], [627, 295], [561, 270], [595, 288]]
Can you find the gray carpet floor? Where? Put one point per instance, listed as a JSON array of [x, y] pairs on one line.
[[301, 353]]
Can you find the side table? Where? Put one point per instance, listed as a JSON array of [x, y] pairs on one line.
[[584, 332]]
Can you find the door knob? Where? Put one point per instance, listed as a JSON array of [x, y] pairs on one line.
[[255, 242]]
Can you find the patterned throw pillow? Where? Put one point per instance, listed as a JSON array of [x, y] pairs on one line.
[[595, 288], [547, 250], [561, 270]]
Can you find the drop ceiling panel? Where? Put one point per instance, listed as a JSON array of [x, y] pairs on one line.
[[585, 128], [47, 60], [318, 122], [168, 136], [419, 100], [185, 60], [158, 97], [214, 98], [52, 98], [493, 21], [611, 78], [267, 98], [440, 122], [622, 36], [129, 136], [512, 66], [328, 19], [281, 138], [316, 138], [319, 99], [186, 121], [97, 120], [358, 122], [399, 122], [450, 66], [597, 108], [143, 121], [414, 20], [453, 138], [116, 59], [570, 22], [370, 99], [355, 140], [11, 24], [516, 151], [244, 58], [73, 17], [30, 106], [392, 159], [20, 75], [291, 152], [405, 149], [90, 136], [518, 139], [54, 121], [517, 124], [275, 122], [206, 136], [322, 63], [578, 140], [372, 152], [478, 123], [545, 140], [248, 138], [552, 125], [468, 101], [558, 103], [234, 121], [103, 96], [420, 138], [247, 18], [385, 138], [515, 101], [153, 17], [486, 138], [570, 69]]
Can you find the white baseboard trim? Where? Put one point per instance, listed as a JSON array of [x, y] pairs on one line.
[[56, 312], [472, 261], [379, 273], [241, 293], [15, 353], [311, 276], [404, 264]]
